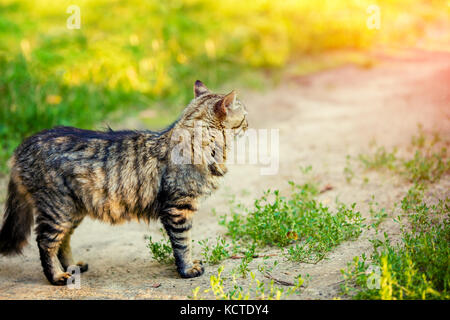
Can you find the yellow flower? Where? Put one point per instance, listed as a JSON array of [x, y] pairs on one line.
[[134, 40], [181, 58], [53, 99]]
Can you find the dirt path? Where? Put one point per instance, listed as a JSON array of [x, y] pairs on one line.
[[321, 118]]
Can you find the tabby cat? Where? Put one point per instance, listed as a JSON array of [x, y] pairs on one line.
[[61, 175]]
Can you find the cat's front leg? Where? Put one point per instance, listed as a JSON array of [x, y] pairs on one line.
[[178, 223]]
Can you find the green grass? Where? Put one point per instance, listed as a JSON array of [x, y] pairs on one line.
[[243, 268], [254, 289], [426, 163], [377, 214], [417, 267], [28, 105], [426, 166], [381, 158], [133, 55], [161, 250], [216, 253], [301, 224], [348, 171]]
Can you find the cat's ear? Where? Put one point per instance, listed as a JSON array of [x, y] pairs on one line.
[[227, 103], [199, 89]]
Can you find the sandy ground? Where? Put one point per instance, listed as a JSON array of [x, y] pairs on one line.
[[321, 118]]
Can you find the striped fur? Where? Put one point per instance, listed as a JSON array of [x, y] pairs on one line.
[[61, 175]]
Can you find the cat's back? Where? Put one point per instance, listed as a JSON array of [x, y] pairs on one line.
[[55, 146], [67, 138], [109, 172], [68, 151]]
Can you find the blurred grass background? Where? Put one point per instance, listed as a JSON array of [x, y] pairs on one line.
[[131, 55]]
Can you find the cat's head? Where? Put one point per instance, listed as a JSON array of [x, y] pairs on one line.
[[218, 111]]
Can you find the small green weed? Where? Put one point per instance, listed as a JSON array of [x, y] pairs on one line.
[[380, 159], [300, 220], [161, 250], [243, 268], [427, 164], [415, 268], [377, 214], [217, 253], [256, 289], [348, 171]]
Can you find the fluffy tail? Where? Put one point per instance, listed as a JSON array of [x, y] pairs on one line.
[[17, 222]]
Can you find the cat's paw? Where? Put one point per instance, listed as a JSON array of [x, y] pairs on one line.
[[194, 270], [60, 279], [83, 266]]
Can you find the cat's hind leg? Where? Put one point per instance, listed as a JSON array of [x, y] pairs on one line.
[[51, 229], [65, 251]]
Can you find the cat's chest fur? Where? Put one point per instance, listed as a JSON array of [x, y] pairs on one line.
[[192, 180]]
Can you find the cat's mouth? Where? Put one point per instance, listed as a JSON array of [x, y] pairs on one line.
[[241, 128]]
